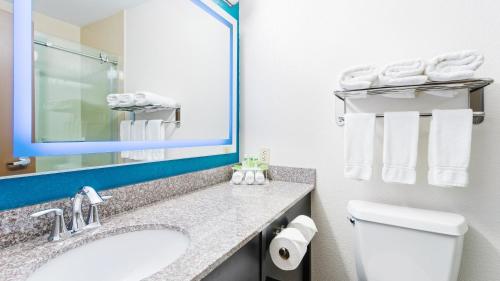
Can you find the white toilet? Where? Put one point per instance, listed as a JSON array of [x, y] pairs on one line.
[[405, 244]]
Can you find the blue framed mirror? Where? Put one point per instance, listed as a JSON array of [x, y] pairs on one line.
[[71, 59]]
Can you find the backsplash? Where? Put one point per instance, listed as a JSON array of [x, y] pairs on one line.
[[17, 226]]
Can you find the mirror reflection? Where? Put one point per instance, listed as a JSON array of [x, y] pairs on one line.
[[126, 71]]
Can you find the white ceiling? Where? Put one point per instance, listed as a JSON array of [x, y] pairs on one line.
[[82, 12]]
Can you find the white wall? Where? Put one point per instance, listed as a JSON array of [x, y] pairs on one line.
[[291, 54], [176, 49]]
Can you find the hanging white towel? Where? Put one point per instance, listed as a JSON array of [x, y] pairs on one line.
[[403, 73], [126, 100], [359, 133], [358, 77], [143, 98], [454, 66], [449, 147], [400, 146], [138, 134], [155, 131], [125, 135]]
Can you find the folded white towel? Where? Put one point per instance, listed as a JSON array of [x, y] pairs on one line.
[[126, 100], [454, 66], [359, 133], [400, 146], [155, 131], [358, 77], [138, 134], [125, 135], [112, 100], [449, 147], [146, 98], [403, 73]]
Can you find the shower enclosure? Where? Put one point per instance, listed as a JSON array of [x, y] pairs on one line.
[[71, 82]]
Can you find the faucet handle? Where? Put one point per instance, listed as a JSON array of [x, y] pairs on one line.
[[92, 195], [93, 217], [59, 230]]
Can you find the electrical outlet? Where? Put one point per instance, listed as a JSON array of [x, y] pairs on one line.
[[265, 155]]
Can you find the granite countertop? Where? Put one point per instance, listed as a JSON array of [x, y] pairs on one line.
[[219, 220]]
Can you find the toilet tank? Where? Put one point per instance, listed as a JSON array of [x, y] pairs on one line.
[[396, 243]]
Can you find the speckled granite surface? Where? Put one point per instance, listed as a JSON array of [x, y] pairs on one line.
[[17, 226], [219, 220]]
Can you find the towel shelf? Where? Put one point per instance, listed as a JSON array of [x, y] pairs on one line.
[[152, 108], [475, 88]]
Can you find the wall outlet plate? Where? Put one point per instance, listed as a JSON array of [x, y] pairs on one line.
[[265, 155]]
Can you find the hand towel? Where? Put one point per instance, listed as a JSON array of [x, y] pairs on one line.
[[400, 147], [125, 135], [449, 147], [112, 100], [403, 73], [454, 66], [358, 77], [359, 133], [146, 98], [126, 100], [138, 134], [155, 131]]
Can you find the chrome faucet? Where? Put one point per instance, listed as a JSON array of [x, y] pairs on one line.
[[77, 224]]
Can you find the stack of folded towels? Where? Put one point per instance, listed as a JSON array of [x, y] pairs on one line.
[[447, 67], [141, 98]]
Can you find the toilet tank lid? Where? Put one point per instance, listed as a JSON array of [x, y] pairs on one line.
[[426, 220]]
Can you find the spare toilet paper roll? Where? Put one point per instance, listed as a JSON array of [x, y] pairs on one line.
[[305, 225], [288, 248]]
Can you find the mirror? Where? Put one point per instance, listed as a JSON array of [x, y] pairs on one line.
[[100, 83]]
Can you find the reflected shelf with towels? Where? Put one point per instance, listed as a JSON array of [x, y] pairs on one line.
[[152, 108]]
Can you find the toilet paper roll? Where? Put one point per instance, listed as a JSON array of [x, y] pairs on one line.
[[305, 225], [288, 248]]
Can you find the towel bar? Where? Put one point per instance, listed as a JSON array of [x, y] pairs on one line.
[[152, 108], [475, 89]]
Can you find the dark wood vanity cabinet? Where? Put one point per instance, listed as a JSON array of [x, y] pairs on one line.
[[253, 262]]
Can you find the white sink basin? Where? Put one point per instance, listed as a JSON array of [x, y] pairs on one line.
[[126, 257]]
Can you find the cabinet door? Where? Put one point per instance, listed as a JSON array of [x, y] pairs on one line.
[[243, 265]]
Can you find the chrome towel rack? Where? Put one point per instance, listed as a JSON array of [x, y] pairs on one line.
[[152, 108], [474, 87]]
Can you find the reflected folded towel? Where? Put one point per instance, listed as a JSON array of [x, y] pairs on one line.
[[400, 146], [454, 66], [449, 147], [125, 135], [359, 136], [138, 134], [403, 73], [146, 98], [155, 131], [358, 77], [112, 100], [126, 100]]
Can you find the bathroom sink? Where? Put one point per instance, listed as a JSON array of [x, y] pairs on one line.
[[126, 257]]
